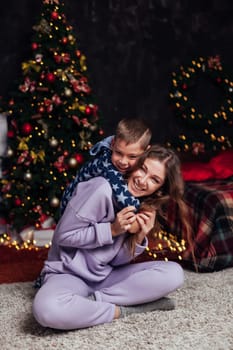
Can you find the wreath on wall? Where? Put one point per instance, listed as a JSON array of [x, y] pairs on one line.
[[183, 82]]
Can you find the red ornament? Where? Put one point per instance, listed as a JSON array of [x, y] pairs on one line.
[[41, 109], [42, 218], [34, 46], [184, 86], [50, 77], [78, 53], [79, 158], [65, 153], [54, 15], [11, 102], [219, 80], [10, 134], [42, 76], [88, 110], [64, 40], [18, 202], [26, 128]]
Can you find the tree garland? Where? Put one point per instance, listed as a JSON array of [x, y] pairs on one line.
[[211, 124]]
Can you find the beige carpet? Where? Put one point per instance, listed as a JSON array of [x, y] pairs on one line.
[[203, 320]]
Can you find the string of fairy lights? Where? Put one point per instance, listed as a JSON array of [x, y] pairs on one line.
[[164, 245], [183, 81]]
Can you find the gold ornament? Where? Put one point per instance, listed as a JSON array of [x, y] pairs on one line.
[[27, 176], [43, 27], [29, 66], [22, 146], [68, 92], [53, 142], [54, 202], [73, 163], [93, 127], [39, 156], [10, 152], [82, 108]]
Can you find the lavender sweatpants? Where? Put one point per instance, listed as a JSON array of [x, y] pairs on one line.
[[61, 302]]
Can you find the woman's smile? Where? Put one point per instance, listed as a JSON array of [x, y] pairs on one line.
[[147, 179]]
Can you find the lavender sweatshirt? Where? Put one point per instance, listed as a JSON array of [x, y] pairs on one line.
[[82, 243]]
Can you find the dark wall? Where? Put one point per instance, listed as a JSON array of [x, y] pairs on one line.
[[132, 47]]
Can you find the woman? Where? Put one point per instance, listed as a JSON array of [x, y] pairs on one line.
[[88, 278]]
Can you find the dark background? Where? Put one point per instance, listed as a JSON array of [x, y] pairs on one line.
[[132, 47]]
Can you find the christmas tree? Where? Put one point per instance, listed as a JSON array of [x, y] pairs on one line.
[[52, 122], [205, 130]]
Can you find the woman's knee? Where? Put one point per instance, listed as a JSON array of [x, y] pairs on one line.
[[176, 274], [45, 310]]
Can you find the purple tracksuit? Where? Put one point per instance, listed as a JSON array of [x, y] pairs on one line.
[[85, 259]]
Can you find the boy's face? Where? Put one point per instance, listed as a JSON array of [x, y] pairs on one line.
[[125, 156]]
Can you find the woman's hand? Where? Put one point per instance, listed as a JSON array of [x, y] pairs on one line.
[[146, 220], [123, 221]]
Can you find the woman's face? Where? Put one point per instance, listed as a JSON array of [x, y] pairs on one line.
[[147, 179]]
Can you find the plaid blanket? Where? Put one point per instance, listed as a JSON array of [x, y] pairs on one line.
[[211, 216]]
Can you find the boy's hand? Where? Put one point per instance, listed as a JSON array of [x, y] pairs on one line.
[[123, 221]]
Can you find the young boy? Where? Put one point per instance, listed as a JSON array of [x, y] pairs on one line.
[[114, 157]]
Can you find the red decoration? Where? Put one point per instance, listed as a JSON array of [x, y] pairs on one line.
[[34, 46], [198, 147], [50, 77], [38, 58], [94, 110], [26, 128], [80, 85], [28, 85], [56, 100], [219, 80], [214, 62], [60, 164], [78, 53], [42, 76], [54, 15], [62, 58], [18, 202], [43, 217], [79, 158], [184, 86], [41, 109], [11, 102], [48, 104], [25, 158], [64, 40], [88, 110], [10, 134]]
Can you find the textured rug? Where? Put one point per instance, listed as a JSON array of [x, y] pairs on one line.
[[202, 320]]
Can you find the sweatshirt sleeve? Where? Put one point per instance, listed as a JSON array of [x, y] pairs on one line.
[[86, 222], [124, 256]]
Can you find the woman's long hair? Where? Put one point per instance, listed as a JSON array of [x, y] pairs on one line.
[[171, 191]]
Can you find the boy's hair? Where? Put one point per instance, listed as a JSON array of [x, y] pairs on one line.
[[132, 131]]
